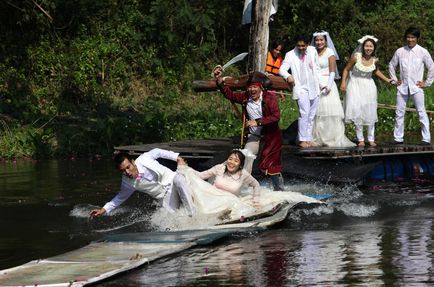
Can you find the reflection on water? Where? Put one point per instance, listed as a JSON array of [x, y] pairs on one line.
[[394, 251], [383, 236]]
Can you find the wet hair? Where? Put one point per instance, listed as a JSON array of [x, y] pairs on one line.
[[240, 156], [303, 38], [120, 157], [412, 31], [373, 43]]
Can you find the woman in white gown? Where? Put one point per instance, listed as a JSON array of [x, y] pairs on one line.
[[329, 128], [225, 195], [360, 88]]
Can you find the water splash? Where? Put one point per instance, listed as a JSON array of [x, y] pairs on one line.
[[357, 209], [119, 218], [83, 211], [164, 220]]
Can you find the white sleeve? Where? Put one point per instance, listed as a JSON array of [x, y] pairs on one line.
[[392, 66], [157, 153], [123, 194], [430, 66], [209, 173], [331, 80], [283, 70]]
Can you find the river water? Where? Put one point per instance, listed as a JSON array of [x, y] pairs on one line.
[[376, 236]]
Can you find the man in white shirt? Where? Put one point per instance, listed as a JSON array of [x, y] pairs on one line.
[[146, 174], [411, 60], [304, 66]]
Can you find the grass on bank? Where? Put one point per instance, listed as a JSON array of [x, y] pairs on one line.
[[166, 118]]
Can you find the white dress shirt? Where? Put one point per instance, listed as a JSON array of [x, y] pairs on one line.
[[254, 111], [411, 63], [304, 70], [147, 178]]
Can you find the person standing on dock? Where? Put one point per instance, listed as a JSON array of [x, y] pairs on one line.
[[304, 66], [360, 89], [328, 128], [261, 114], [411, 60], [146, 174]]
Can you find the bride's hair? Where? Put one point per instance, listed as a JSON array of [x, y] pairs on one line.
[[240, 156], [373, 43]]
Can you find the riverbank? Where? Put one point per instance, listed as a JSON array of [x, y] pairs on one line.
[[170, 117]]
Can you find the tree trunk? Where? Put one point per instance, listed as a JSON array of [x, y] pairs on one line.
[[258, 42]]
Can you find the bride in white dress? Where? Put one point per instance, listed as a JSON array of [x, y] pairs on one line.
[[329, 128], [360, 88], [226, 194]]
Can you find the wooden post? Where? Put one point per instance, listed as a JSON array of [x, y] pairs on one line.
[[258, 42]]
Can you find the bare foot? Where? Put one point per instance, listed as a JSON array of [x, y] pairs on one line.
[[303, 144], [372, 144], [312, 144], [361, 143]]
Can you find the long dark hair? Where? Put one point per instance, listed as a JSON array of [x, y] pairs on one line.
[[240, 156]]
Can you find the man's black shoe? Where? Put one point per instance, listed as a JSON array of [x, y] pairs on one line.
[[397, 142], [425, 143]]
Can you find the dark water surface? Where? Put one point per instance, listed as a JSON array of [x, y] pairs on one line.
[[383, 236]]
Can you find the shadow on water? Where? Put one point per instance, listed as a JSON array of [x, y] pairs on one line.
[[381, 235]]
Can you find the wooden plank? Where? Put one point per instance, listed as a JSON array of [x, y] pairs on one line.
[[237, 83], [392, 107], [209, 148]]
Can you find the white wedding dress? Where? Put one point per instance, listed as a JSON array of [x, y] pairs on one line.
[[209, 200], [329, 128], [361, 97]]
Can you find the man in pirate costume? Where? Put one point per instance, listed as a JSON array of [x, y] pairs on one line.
[[261, 114]]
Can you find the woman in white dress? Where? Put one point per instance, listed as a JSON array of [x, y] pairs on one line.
[[360, 88], [226, 195], [329, 128], [231, 175]]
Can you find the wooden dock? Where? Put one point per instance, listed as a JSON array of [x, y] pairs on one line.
[[334, 165]]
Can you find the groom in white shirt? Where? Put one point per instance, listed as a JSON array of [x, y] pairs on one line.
[[411, 60], [146, 174], [304, 66]]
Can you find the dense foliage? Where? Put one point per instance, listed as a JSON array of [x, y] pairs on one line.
[[82, 76]]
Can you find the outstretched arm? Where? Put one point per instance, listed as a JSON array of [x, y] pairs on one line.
[[381, 76], [97, 212], [209, 173], [124, 194], [251, 181], [157, 153]]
